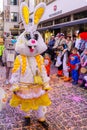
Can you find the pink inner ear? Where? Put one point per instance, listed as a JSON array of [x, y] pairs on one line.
[[33, 41]]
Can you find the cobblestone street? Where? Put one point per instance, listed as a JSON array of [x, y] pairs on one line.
[[67, 112]]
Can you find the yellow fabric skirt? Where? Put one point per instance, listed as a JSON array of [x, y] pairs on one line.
[[30, 104]]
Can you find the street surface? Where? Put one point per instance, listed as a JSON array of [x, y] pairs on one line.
[[67, 112]]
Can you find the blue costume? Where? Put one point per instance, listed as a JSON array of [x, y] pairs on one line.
[[74, 65]]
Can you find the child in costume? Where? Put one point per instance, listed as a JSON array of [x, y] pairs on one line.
[[29, 78], [47, 62], [74, 63], [63, 68], [8, 56], [58, 63], [83, 69], [65, 54]]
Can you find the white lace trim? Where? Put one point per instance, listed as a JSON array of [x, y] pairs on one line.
[[31, 95]]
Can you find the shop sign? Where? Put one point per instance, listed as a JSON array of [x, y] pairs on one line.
[[55, 7], [56, 13]]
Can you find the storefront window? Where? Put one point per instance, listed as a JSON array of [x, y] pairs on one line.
[[62, 20], [47, 24], [85, 27], [14, 17], [80, 15]]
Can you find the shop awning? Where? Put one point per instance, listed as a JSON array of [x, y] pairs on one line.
[[71, 23]]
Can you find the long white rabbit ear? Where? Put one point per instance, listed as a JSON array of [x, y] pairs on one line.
[[25, 13], [39, 11]]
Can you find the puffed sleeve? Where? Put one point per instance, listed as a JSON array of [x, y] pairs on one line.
[[16, 71]]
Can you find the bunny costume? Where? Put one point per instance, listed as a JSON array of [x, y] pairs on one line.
[[8, 57], [29, 78]]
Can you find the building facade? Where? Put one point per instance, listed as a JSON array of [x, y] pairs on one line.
[[11, 16], [64, 16], [60, 16]]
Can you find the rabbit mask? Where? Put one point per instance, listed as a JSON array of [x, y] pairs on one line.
[[30, 42]]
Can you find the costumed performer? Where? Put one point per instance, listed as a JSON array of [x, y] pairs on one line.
[[30, 83]]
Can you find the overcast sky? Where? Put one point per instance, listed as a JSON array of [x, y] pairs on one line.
[[1, 5]]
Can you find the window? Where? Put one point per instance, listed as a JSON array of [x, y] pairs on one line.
[[49, 23], [46, 1], [8, 2], [13, 2], [49, 1], [80, 15], [7, 13], [62, 20], [36, 2], [14, 17]]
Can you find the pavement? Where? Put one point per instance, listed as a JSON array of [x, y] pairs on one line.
[[68, 110]]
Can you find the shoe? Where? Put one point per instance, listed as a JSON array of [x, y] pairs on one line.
[[59, 75], [82, 86], [63, 77], [26, 121], [44, 124], [74, 82], [67, 79]]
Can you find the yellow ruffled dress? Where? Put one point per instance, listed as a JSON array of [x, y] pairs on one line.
[[41, 97]]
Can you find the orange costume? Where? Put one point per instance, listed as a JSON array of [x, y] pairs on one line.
[[47, 62]]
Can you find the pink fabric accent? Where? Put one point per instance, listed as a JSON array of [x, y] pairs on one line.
[[33, 41]]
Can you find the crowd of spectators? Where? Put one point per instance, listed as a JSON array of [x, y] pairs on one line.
[[69, 55]]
